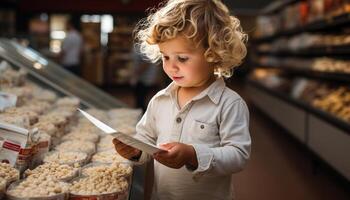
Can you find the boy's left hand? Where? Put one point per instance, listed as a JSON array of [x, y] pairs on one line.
[[177, 155]]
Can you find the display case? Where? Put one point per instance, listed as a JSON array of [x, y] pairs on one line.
[[52, 75], [301, 74], [51, 88]]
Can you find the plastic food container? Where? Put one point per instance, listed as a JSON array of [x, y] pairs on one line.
[[86, 136], [77, 145], [75, 158], [52, 169], [122, 169], [109, 156], [59, 196], [119, 194]]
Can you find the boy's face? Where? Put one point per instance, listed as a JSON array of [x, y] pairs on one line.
[[184, 63]]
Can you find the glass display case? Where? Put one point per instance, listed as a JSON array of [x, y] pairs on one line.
[[54, 78], [49, 74]]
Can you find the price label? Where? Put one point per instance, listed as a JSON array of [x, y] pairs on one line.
[[12, 140]]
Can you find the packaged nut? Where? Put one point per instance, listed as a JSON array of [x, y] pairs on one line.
[[38, 187], [48, 128], [109, 156], [65, 157], [100, 185], [45, 95], [43, 142], [77, 135], [11, 78], [86, 127], [119, 169], [105, 143], [77, 145], [59, 122], [8, 173], [21, 121], [23, 111], [57, 171], [68, 102], [100, 114], [39, 107]]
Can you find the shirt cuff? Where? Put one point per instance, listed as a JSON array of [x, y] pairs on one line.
[[204, 157]]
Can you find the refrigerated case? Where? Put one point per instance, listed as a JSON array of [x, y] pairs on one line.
[[54, 77]]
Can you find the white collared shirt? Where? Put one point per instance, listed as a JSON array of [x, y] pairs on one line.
[[215, 123]]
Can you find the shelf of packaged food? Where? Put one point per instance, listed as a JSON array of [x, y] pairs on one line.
[[330, 51], [319, 25], [343, 125], [277, 6], [321, 75]]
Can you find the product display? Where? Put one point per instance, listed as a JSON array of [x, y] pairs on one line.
[[8, 173], [98, 183], [323, 64], [299, 14], [71, 137], [66, 157], [330, 98], [10, 77], [40, 186], [106, 143], [305, 41], [118, 169], [337, 102], [77, 145], [109, 156], [79, 135], [58, 171]]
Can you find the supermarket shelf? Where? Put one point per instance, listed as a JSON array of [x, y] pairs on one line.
[[330, 76], [320, 25], [330, 51], [277, 6], [343, 125]]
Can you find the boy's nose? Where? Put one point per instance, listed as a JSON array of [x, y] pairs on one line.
[[173, 66]]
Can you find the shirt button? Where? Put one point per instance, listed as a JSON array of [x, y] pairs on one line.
[[178, 120], [202, 126]]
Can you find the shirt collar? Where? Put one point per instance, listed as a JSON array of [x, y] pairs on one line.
[[214, 91]]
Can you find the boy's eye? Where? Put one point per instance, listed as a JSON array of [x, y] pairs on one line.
[[182, 59], [165, 57]]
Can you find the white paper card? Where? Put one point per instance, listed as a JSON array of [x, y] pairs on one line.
[[126, 139]]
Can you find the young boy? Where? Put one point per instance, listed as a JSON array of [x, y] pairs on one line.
[[203, 125]]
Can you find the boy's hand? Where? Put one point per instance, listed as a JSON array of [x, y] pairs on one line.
[[126, 151], [177, 155]]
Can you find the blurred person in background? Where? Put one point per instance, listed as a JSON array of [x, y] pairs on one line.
[[72, 47], [145, 77]]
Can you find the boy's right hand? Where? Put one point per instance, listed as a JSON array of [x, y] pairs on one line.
[[126, 151]]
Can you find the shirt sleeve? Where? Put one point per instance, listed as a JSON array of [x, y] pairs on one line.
[[234, 150], [145, 130]]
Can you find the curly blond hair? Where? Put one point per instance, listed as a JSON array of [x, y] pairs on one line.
[[205, 22]]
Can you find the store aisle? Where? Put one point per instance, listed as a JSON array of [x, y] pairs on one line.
[[279, 167]]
